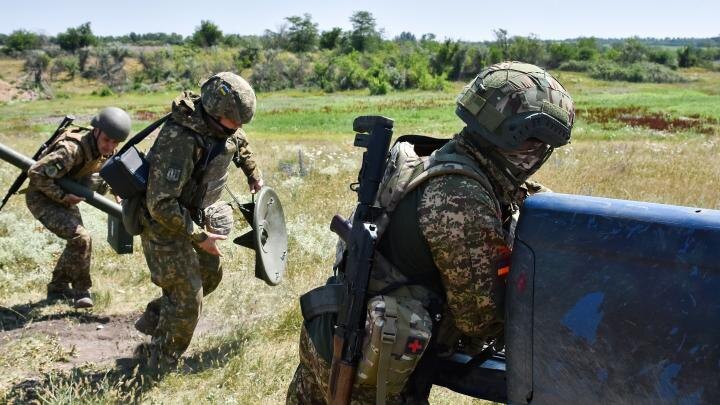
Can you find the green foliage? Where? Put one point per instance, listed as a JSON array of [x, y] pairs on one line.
[[76, 38], [21, 40], [687, 57], [528, 49], [364, 36], [67, 64], [302, 33], [587, 49], [207, 34], [280, 70], [636, 72], [330, 39]]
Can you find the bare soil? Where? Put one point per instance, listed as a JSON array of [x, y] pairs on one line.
[[8, 92], [85, 337]]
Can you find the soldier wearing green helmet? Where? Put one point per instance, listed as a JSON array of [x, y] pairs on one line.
[[78, 154], [444, 239], [184, 217]]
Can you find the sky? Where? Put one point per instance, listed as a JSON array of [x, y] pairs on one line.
[[454, 19]]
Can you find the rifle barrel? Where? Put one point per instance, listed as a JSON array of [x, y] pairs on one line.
[[96, 200]]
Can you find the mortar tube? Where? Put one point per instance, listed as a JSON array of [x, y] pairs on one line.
[[96, 200]]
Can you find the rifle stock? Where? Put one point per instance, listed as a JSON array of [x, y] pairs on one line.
[[23, 176]]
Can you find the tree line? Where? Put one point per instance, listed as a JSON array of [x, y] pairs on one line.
[[298, 54]]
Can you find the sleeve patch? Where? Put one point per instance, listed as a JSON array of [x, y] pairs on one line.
[[173, 174], [53, 169]]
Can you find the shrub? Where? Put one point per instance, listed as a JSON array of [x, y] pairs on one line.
[[636, 72]]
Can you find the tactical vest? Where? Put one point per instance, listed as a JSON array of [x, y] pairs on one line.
[[92, 160], [408, 168], [209, 175]]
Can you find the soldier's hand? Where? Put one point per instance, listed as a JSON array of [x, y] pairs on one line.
[[209, 245], [72, 199], [255, 186]]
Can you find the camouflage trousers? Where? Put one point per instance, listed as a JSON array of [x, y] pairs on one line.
[[310, 382], [73, 266], [185, 275]]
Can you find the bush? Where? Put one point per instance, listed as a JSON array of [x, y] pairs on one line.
[[577, 65], [21, 40], [636, 72]]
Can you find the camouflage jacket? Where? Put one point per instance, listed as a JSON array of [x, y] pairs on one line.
[[74, 155], [448, 234], [179, 147]]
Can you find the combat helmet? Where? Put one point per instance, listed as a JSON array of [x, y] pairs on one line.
[[228, 95], [510, 103], [114, 122]]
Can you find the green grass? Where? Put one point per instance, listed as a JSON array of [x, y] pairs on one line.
[[248, 351]]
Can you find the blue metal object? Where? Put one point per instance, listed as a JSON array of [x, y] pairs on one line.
[[613, 301]]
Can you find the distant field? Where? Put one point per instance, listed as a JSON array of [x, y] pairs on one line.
[[647, 142]]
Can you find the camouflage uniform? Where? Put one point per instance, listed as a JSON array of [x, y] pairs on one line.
[[452, 234], [177, 196], [74, 155]]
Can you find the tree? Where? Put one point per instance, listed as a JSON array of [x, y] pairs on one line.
[[302, 33], [561, 52], [528, 49], [406, 37], [330, 39], [364, 36], [76, 38], [687, 57], [21, 40], [502, 42], [587, 49], [207, 34]]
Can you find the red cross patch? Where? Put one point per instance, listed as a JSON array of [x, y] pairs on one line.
[[414, 345]]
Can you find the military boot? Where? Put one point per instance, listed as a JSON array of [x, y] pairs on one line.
[[59, 291], [83, 300], [147, 323]]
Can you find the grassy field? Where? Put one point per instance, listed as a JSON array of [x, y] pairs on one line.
[[646, 142]]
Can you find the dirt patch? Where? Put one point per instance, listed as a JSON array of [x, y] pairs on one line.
[[641, 117], [82, 337], [145, 115], [8, 92]]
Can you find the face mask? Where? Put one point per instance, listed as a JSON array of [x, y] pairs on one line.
[[216, 123], [527, 157]]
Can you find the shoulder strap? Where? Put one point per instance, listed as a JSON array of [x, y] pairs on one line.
[[143, 134]]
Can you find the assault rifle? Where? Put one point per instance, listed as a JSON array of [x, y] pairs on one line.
[[21, 178], [374, 134]]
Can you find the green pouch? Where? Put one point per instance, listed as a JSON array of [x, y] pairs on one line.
[[397, 332]]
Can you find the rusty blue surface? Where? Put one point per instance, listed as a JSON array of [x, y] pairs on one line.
[[613, 301]]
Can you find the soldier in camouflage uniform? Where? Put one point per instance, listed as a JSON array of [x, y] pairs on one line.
[[185, 218], [77, 154], [452, 233]]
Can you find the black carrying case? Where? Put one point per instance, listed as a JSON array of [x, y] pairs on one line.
[[127, 171]]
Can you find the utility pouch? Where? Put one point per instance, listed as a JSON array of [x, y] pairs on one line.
[[127, 171], [397, 332]]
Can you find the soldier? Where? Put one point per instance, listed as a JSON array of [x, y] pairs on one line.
[[185, 218], [78, 154], [447, 240]]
